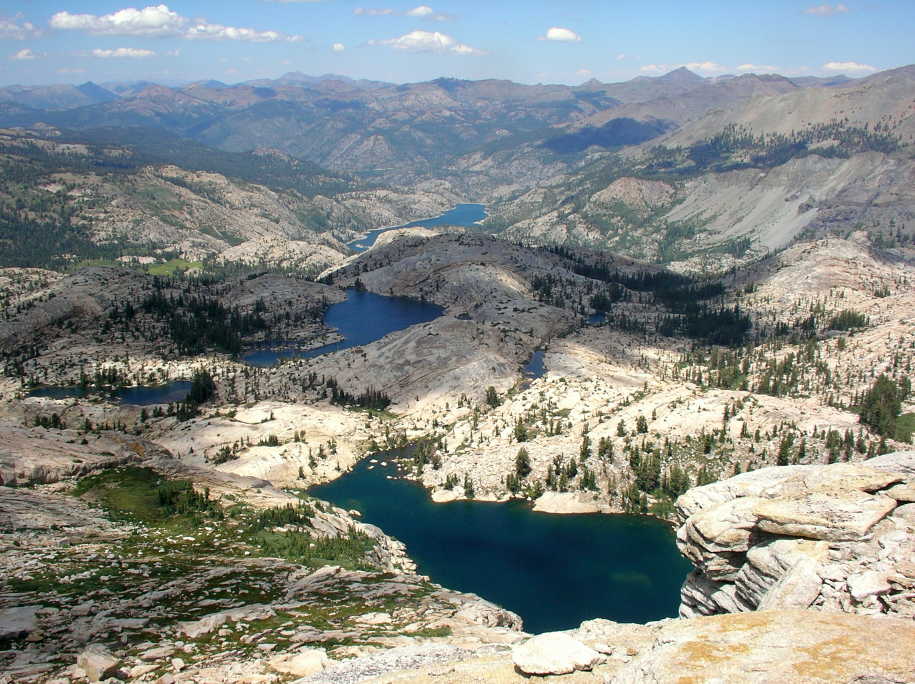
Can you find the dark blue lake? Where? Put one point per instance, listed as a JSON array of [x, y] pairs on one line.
[[146, 396], [132, 396], [363, 318], [460, 215], [553, 570]]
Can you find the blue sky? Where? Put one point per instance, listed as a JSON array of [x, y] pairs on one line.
[[547, 41]]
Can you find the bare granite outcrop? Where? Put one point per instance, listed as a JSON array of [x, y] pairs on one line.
[[833, 537]]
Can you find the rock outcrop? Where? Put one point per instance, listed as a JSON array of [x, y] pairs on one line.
[[834, 537], [764, 646]]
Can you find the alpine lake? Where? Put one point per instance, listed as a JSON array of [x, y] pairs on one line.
[[553, 570]]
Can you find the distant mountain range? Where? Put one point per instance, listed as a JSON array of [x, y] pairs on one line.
[[401, 131], [662, 168]]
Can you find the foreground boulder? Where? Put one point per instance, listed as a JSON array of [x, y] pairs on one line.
[[831, 537], [306, 662], [553, 653]]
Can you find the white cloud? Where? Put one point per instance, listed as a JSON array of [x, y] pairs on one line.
[[25, 55], [219, 32], [118, 53], [462, 49], [826, 10], [11, 30], [757, 68], [419, 12], [561, 34], [159, 20], [156, 20], [620, 57], [853, 67], [428, 41], [338, 47], [584, 73]]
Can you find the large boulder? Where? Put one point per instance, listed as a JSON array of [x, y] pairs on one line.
[[553, 653], [832, 537], [303, 663]]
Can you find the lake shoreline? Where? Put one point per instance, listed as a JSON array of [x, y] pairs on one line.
[[507, 499]]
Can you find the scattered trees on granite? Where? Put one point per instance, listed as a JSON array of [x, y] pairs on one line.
[[882, 403]]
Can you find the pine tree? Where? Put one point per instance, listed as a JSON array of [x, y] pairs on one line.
[[522, 463], [641, 425]]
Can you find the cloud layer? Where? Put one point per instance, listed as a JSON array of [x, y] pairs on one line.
[[849, 67], [428, 41], [119, 53], [159, 20], [11, 30], [418, 12], [757, 68], [826, 10]]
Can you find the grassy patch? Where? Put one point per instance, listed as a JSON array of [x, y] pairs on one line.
[[173, 507], [172, 266], [431, 632], [142, 495]]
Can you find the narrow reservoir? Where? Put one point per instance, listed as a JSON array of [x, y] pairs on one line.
[[553, 570], [363, 318], [460, 215]]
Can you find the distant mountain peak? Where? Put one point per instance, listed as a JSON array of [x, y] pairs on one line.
[[683, 75], [96, 92]]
